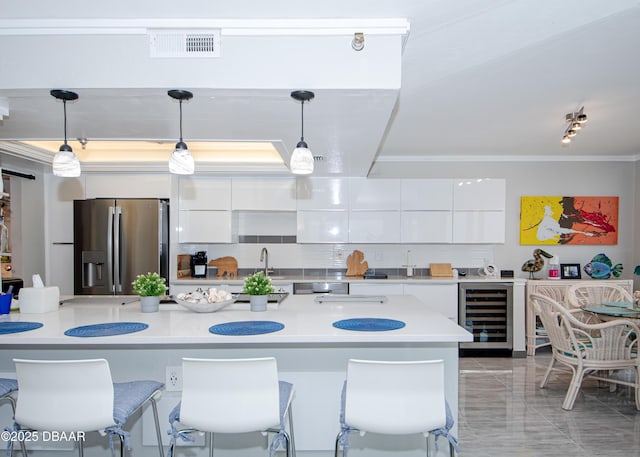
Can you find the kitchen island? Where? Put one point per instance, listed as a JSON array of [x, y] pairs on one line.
[[311, 353]]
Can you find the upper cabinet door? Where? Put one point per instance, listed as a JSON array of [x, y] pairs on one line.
[[426, 226], [478, 227], [427, 194], [323, 226], [322, 193], [205, 193], [263, 194], [479, 194], [374, 226], [374, 194]]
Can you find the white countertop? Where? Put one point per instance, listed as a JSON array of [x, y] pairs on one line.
[[305, 321], [281, 280]]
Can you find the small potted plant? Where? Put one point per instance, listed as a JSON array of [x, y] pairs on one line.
[[149, 287], [258, 286]]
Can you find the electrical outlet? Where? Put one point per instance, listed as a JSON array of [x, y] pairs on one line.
[[173, 379]]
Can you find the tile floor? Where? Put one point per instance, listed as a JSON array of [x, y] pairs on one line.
[[504, 413]]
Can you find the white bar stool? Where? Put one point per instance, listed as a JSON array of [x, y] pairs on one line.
[[7, 388], [395, 398], [78, 396], [233, 396]]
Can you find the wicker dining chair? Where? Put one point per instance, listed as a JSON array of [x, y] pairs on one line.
[[589, 350], [587, 293]]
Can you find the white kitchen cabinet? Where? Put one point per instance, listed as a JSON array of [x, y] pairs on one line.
[[112, 185], [359, 288], [204, 193], [374, 194], [374, 226], [426, 226], [478, 227], [442, 298], [322, 193], [205, 227], [479, 194], [427, 194], [263, 194], [322, 226]]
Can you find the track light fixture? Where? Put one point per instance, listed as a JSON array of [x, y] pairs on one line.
[[181, 160], [358, 41], [65, 162], [576, 121], [301, 158]]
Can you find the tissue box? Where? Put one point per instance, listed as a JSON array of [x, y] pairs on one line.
[[39, 299]]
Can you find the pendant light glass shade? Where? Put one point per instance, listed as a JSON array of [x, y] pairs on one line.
[[301, 162], [65, 162], [181, 161]]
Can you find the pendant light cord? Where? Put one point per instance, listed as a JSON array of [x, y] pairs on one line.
[[64, 107], [302, 121], [180, 120]]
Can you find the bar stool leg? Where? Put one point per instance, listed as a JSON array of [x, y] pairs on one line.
[[154, 405], [292, 440]]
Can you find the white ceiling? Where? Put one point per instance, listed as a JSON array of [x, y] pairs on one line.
[[472, 80]]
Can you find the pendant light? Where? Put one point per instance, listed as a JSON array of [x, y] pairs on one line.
[[65, 162], [181, 160], [302, 159]]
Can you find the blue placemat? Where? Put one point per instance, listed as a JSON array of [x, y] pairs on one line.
[[368, 324], [17, 327], [246, 328], [106, 329]]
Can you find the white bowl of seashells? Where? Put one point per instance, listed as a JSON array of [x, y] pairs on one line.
[[208, 301]]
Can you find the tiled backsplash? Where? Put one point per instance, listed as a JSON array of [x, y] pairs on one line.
[[334, 256]]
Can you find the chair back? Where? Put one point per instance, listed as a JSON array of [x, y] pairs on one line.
[[587, 293], [395, 397], [556, 321], [64, 395], [230, 395]]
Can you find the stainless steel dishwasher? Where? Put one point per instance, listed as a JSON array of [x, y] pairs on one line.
[[320, 287]]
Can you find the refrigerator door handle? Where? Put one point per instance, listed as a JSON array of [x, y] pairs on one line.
[[110, 248], [117, 280]]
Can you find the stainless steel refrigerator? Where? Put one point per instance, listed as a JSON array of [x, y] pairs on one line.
[[117, 239]]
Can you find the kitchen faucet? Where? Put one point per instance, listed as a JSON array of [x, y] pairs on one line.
[[264, 257]]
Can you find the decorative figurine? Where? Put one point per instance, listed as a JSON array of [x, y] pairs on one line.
[[537, 263]]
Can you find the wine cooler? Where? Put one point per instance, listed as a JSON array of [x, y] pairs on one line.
[[486, 310]]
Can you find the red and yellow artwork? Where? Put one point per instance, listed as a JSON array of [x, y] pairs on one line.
[[568, 220]]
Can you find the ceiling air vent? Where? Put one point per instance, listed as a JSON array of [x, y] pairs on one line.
[[184, 43]]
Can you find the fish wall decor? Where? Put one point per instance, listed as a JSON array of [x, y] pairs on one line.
[[601, 267]]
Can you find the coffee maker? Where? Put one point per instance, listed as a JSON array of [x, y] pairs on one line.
[[199, 265]]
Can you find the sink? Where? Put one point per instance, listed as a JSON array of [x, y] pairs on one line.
[[276, 297]]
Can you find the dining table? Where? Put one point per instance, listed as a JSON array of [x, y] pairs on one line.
[[607, 311]]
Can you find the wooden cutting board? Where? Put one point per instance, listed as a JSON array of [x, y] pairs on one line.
[[441, 270], [356, 265], [184, 265]]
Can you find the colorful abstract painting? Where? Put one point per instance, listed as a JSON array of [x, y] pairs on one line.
[[568, 220]]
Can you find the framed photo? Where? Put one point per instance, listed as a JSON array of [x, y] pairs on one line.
[[570, 271]]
